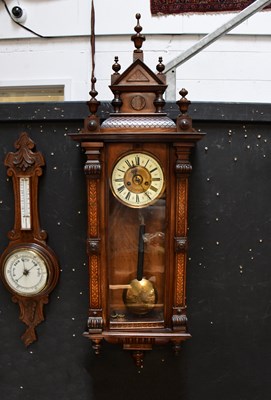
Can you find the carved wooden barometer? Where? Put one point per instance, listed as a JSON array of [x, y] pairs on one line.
[[29, 268], [137, 172]]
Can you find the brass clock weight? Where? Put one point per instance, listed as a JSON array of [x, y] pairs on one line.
[[29, 268], [137, 171]]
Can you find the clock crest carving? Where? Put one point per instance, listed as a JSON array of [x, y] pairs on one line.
[[28, 267], [138, 102], [137, 171]]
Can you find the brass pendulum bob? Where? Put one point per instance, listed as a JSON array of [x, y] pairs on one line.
[[141, 296]]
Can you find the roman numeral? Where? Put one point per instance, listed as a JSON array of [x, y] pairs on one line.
[[137, 198], [146, 163], [129, 163], [118, 180], [121, 188], [156, 179], [128, 195], [137, 160], [154, 169], [153, 188]]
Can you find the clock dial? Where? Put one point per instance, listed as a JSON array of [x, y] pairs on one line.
[[25, 272], [137, 180]]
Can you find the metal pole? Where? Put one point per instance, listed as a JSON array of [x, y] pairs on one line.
[[170, 68]]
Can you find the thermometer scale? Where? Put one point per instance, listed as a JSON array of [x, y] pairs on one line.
[[25, 203]]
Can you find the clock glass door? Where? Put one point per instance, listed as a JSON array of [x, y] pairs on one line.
[[137, 240]]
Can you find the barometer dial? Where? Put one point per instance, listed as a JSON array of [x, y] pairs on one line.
[[25, 272]]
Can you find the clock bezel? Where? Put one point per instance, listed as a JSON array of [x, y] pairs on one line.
[[9, 281], [41, 252], [150, 202]]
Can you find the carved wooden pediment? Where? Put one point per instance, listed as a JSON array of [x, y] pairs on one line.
[[138, 74]]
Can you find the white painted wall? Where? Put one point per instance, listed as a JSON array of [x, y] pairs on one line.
[[235, 68]]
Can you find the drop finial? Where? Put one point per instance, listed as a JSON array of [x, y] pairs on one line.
[[92, 121], [138, 39], [183, 103], [93, 103]]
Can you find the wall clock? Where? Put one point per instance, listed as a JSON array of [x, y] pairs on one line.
[[137, 172], [29, 268]]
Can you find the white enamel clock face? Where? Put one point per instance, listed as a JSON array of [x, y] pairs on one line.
[[25, 272], [137, 180]]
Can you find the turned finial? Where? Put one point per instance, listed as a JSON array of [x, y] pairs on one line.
[[183, 103], [91, 123], [138, 39], [160, 67], [184, 122], [116, 66], [93, 103]]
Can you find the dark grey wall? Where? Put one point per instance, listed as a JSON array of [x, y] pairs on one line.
[[229, 271]]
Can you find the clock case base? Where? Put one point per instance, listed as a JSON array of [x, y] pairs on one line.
[[138, 342]]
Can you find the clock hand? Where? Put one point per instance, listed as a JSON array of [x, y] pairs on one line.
[[138, 180], [23, 274], [25, 271], [31, 268]]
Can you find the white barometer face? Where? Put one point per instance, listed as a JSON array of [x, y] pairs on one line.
[[137, 180], [26, 272]]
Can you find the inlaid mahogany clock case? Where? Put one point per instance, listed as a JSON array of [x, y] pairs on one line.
[[137, 131]]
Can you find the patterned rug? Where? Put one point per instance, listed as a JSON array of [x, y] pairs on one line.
[[197, 6]]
